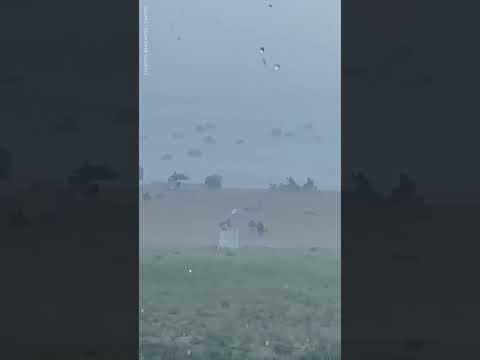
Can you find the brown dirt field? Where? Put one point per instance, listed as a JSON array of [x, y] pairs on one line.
[[190, 218]]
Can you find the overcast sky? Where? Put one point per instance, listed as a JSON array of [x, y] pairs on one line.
[[205, 65]]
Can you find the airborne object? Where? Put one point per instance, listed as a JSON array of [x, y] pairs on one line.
[[194, 153], [209, 140], [210, 125], [276, 132], [200, 128]]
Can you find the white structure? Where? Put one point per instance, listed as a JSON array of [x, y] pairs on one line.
[[228, 239]]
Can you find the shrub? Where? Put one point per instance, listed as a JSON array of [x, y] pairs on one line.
[[214, 181]]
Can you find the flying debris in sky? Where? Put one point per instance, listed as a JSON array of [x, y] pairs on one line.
[[167, 156], [209, 140], [277, 67], [239, 141], [194, 153], [262, 49], [210, 125], [264, 61], [276, 132], [178, 135], [200, 128], [270, 5]]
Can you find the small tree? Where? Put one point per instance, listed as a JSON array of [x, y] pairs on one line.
[[177, 178], [405, 191], [214, 181], [364, 190], [309, 185], [290, 186]]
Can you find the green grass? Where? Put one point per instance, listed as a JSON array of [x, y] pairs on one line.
[[243, 304]]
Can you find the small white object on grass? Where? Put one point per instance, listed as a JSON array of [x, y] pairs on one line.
[[189, 352], [267, 343], [141, 310], [189, 270]]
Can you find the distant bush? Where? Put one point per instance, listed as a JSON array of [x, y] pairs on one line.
[[309, 186], [363, 190], [292, 185], [214, 181], [89, 175], [177, 178], [405, 191]]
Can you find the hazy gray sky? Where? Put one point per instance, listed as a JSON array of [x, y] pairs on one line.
[[214, 72]]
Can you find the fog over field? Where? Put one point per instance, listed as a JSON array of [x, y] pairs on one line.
[[239, 139], [234, 72]]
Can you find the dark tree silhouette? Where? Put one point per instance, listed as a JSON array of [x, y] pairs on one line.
[[177, 178], [5, 164], [290, 186], [363, 189], [309, 185], [214, 181], [87, 178], [405, 191], [92, 173]]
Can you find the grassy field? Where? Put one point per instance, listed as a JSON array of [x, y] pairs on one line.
[[253, 303]]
